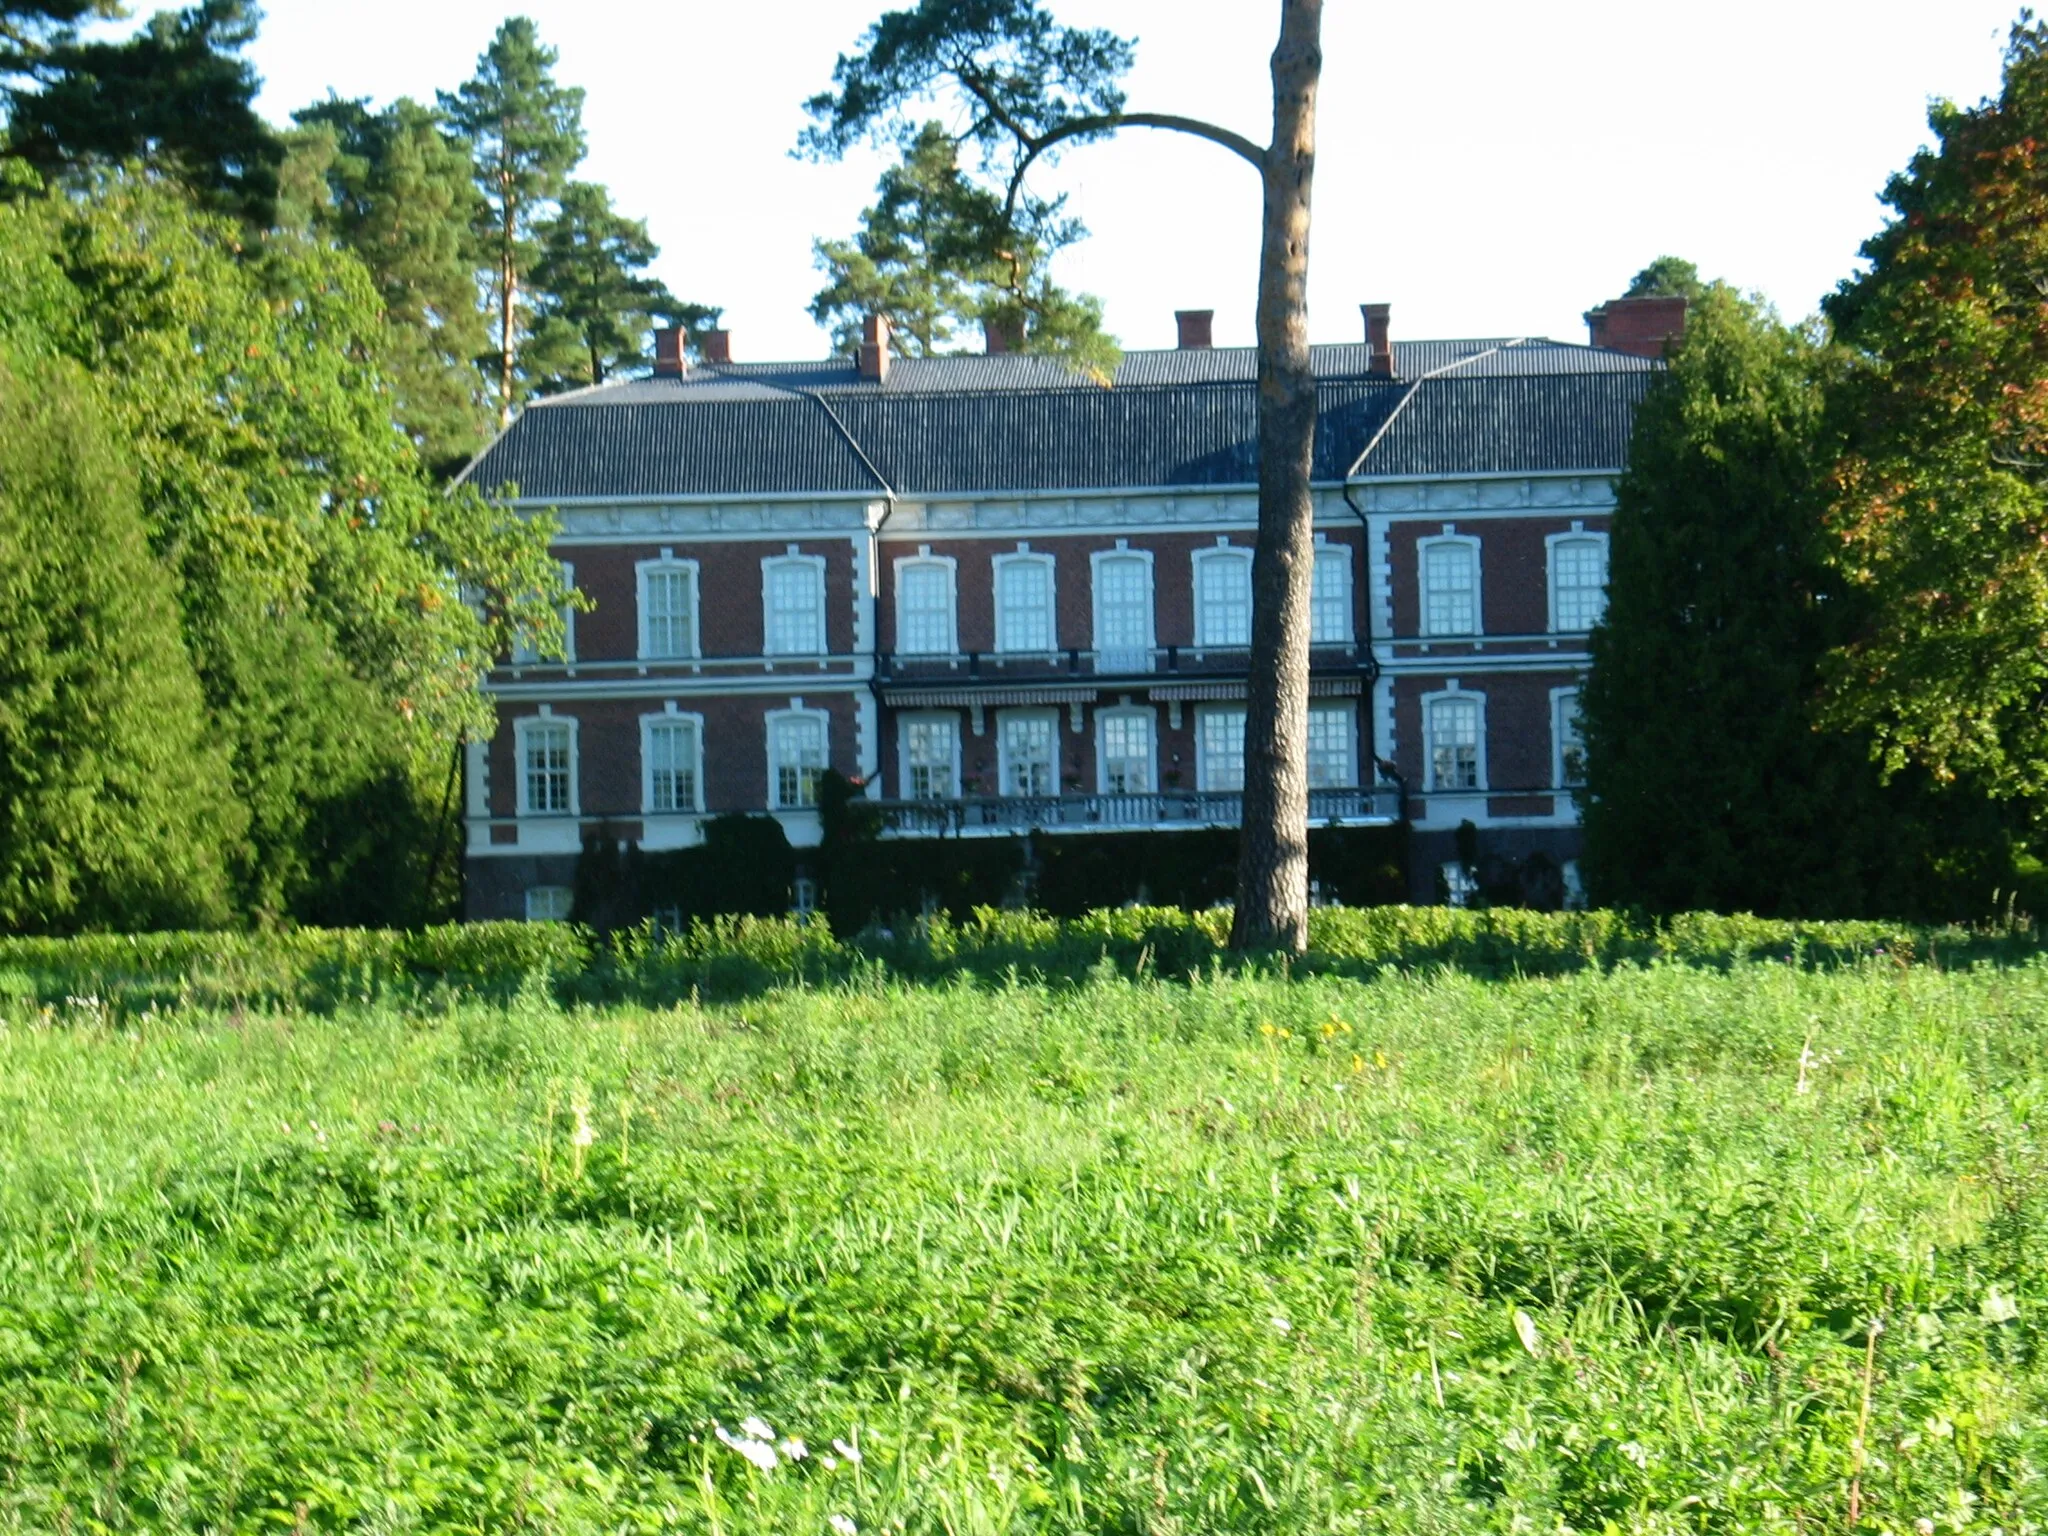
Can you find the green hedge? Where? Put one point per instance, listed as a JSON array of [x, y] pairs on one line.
[[322, 969]]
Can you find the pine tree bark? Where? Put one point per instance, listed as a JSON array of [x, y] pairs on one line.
[[1272, 871]]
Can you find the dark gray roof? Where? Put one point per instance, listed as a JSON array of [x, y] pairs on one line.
[[977, 424]]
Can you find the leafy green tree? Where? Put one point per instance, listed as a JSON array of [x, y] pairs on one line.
[[1939, 513], [29, 27], [1709, 786], [527, 133], [115, 809], [1668, 277], [596, 304], [177, 95], [394, 187], [1026, 87]]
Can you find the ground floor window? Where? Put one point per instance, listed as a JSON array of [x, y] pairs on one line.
[[1453, 734], [547, 753], [549, 903], [673, 747], [1030, 745], [1571, 744], [1127, 752], [1220, 736], [931, 750], [796, 756], [1331, 733]]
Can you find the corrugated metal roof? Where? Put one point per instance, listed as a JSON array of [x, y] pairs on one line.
[[968, 425]]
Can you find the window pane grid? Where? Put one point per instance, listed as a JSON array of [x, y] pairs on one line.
[[1028, 766], [1571, 743], [1127, 754], [1329, 748], [799, 761], [1224, 616], [1223, 750], [1449, 597], [795, 610], [1123, 613], [927, 609], [672, 765], [1330, 600], [547, 770], [928, 748], [1454, 744], [670, 602], [1578, 574], [1025, 592]]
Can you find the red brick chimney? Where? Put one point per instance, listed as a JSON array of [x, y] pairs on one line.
[[874, 348], [1641, 327], [718, 346], [1197, 329], [1379, 320], [669, 362], [993, 341]]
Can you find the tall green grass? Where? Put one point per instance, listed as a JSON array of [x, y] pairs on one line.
[[1603, 1250]]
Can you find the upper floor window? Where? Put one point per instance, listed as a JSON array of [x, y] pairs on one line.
[[793, 590], [525, 654], [547, 766], [1123, 611], [1452, 732], [1332, 735], [1571, 744], [1024, 604], [1223, 597], [668, 608], [924, 607], [1329, 609], [796, 759], [1029, 745], [1450, 586], [1220, 734], [931, 757], [1127, 751], [672, 747], [1578, 581]]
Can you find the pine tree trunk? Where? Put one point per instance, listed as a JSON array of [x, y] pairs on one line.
[[1272, 871], [508, 284]]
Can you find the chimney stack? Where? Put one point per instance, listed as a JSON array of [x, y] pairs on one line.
[[1379, 337], [1197, 329], [874, 348], [1640, 327], [718, 346], [669, 362], [993, 341]]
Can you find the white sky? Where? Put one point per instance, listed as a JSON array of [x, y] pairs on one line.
[[1490, 168]]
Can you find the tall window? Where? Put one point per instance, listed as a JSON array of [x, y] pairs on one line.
[[1024, 610], [795, 588], [1571, 744], [1220, 735], [674, 754], [1127, 752], [1578, 583], [549, 903], [525, 655], [547, 767], [931, 747], [668, 609], [796, 759], [924, 607], [1330, 737], [1223, 597], [1123, 613], [1030, 766], [1450, 587], [1453, 743], [1329, 609]]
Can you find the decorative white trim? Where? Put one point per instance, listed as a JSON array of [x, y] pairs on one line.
[[1422, 550], [664, 562], [1201, 559], [1551, 545], [648, 723], [1096, 560], [1025, 555], [925, 557], [1449, 692], [792, 560], [526, 726]]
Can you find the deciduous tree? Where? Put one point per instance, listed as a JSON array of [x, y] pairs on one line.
[[1028, 87]]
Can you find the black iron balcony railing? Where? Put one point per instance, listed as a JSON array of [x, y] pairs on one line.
[[1133, 811], [1157, 663]]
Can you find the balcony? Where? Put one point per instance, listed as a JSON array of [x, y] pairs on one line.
[[1166, 810], [1075, 676]]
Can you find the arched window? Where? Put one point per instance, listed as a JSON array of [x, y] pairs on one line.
[[1123, 611], [1025, 623], [793, 603], [1223, 597], [1454, 735], [924, 607], [1450, 586], [668, 608], [672, 763], [1329, 612], [1578, 581]]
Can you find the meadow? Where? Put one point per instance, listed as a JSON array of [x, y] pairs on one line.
[[1661, 1246]]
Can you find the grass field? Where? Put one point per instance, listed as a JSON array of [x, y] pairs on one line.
[[1663, 1248]]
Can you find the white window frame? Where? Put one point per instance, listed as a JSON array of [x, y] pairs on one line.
[[771, 721], [904, 722], [664, 563], [648, 725], [1334, 557], [1051, 720], [770, 566], [1429, 703], [1348, 711], [1046, 562], [1422, 624], [950, 566], [1237, 554], [524, 655], [1096, 560], [524, 727], [1551, 546], [1203, 715], [1125, 712], [553, 896], [1560, 699]]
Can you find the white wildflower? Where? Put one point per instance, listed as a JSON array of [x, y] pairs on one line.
[[1281, 1324], [753, 1424], [829, 1462], [1924, 1526], [850, 1452], [585, 1134], [759, 1452], [794, 1448], [1525, 1330], [843, 1525], [1998, 1307], [1635, 1452]]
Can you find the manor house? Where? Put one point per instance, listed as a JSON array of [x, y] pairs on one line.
[[1007, 598]]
